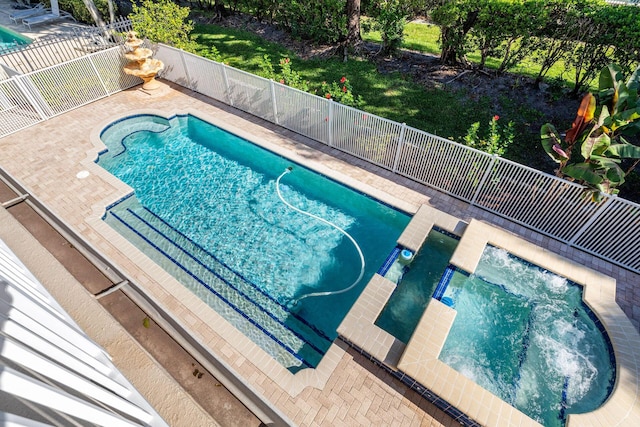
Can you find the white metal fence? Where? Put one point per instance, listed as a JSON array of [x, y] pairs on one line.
[[542, 202], [545, 203], [50, 366], [26, 99]]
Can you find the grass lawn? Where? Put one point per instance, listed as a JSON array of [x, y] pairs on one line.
[[444, 112], [393, 96], [424, 38]]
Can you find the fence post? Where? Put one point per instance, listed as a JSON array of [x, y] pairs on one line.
[[186, 69], [399, 149], [226, 84], [493, 161], [591, 220], [273, 102], [34, 103], [330, 121], [95, 69]]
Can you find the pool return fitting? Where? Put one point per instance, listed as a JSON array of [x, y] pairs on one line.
[[295, 301]]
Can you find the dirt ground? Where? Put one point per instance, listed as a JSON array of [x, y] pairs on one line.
[[426, 70], [547, 103]]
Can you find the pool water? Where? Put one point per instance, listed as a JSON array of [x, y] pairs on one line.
[[524, 334], [416, 283], [9, 39], [206, 209]]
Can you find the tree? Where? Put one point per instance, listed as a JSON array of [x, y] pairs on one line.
[[353, 23], [606, 129], [163, 22], [455, 19], [94, 12]]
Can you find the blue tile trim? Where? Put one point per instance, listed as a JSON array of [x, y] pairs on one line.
[[389, 261], [244, 279], [414, 385], [229, 303], [445, 232], [117, 202], [444, 282], [229, 284], [590, 313], [124, 147]]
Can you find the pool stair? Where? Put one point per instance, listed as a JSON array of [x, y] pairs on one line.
[[289, 338]]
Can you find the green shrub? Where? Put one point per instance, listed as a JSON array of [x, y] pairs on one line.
[[79, 11]]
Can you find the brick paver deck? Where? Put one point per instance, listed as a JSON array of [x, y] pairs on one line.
[[349, 390]]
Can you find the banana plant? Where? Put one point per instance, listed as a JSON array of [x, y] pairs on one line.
[[606, 128]]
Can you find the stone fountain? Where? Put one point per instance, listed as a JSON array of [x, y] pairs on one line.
[[140, 62]]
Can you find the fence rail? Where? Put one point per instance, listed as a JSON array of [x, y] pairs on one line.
[[26, 99], [539, 201], [56, 49], [542, 202]]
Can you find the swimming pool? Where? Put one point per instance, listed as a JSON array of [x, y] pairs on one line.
[[525, 335], [9, 39], [416, 283], [206, 209]]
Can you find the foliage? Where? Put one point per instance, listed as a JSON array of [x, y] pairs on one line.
[[388, 95], [287, 75], [604, 128], [342, 92], [163, 22], [79, 10], [455, 19], [582, 34], [390, 18], [495, 141]]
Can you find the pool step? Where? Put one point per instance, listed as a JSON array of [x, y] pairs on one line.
[[224, 289]]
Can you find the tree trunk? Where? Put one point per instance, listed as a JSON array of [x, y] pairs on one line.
[[93, 11], [219, 11], [353, 22], [112, 11]]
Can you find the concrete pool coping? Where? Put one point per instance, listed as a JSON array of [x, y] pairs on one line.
[[47, 157], [419, 358], [292, 383]]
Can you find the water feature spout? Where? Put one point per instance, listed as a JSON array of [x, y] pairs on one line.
[[140, 62], [295, 301]]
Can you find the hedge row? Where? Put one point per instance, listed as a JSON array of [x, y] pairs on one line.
[[585, 34]]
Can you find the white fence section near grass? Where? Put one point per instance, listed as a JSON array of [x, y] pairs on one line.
[[26, 99], [542, 202]]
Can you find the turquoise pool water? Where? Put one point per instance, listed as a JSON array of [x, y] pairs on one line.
[[524, 334], [9, 39], [416, 283], [206, 209]]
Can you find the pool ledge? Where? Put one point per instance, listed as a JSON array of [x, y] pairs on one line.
[[623, 406], [210, 329], [358, 327]]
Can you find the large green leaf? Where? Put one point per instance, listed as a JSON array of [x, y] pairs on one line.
[[607, 77], [597, 144], [615, 175], [624, 151], [633, 83], [551, 143], [583, 172]]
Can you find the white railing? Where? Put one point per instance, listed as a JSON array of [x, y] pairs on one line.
[[539, 201], [542, 202], [52, 366], [26, 99]]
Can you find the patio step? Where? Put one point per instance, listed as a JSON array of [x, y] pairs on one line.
[[243, 303]]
